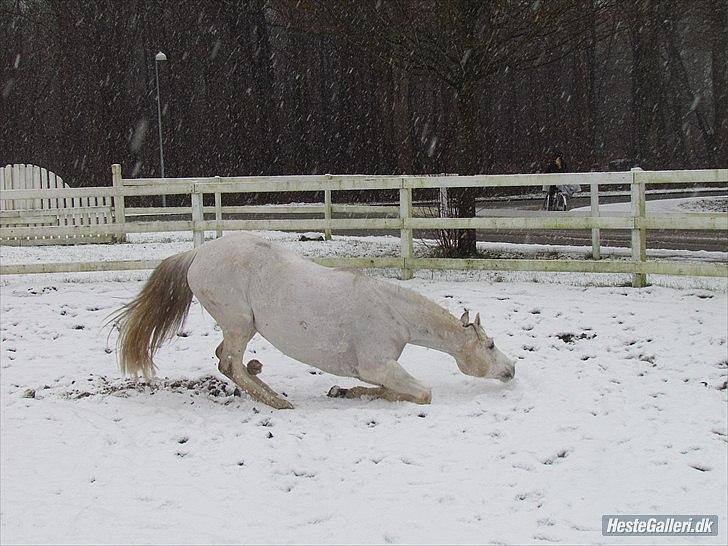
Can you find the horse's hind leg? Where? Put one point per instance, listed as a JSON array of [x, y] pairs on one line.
[[230, 352], [395, 384]]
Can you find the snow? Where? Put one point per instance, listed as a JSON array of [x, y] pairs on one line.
[[618, 406]]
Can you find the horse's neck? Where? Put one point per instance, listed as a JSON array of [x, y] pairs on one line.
[[429, 324]]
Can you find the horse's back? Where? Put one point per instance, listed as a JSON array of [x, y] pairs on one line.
[[312, 313]]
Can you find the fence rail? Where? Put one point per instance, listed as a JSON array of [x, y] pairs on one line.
[[50, 206], [406, 218]]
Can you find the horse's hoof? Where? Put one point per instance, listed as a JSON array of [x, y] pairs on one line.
[[282, 404], [336, 392], [254, 367]]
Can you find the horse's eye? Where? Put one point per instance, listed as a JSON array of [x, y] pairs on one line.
[[491, 344]]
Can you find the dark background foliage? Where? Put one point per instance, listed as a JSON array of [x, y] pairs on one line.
[[390, 86]]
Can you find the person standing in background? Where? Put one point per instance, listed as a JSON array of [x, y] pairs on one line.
[[557, 164]]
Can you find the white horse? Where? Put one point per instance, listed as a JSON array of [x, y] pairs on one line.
[[339, 321]]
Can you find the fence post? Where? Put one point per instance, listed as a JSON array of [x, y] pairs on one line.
[[594, 193], [198, 215], [218, 210], [405, 235], [327, 214], [119, 214], [639, 236]]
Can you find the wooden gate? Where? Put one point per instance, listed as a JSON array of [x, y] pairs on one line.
[[50, 211]]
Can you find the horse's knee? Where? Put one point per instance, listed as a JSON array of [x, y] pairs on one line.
[[394, 377], [425, 397]]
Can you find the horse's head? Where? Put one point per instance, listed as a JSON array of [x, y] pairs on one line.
[[479, 356]]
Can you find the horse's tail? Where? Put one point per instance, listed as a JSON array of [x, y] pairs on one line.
[[151, 318]]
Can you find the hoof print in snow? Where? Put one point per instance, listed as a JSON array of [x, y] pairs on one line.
[[568, 337], [29, 393], [183, 334], [311, 237], [79, 327], [557, 458], [43, 290], [648, 358], [183, 440], [700, 467], [270, 435]]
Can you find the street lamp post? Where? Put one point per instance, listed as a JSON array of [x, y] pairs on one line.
[[160, 57]]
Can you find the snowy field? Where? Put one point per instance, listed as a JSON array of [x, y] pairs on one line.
[[618, 406]]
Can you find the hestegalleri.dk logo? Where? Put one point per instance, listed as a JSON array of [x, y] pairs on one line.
[[675, 525]]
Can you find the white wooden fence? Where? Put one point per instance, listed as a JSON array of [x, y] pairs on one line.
[[48, 209], [637, 221]]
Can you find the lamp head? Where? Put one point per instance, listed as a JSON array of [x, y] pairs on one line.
[[160, 57]]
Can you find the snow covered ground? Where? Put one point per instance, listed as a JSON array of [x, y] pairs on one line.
[[619, 406]]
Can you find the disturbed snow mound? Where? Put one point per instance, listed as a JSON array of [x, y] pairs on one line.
[[213, 388]]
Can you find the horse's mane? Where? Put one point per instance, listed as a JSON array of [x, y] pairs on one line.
[[399, 291]]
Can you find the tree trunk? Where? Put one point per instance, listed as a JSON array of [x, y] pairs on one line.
[[467, 140], [402, 123], [719, 74], [647, 86], [591, 81]]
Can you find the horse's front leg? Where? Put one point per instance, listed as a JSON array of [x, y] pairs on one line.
[[395, 384], [230, 352]]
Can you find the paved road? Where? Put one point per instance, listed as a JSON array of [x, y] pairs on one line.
[[666, 239], [672, 239]]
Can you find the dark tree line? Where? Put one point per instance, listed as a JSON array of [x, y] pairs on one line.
[[362, 86]]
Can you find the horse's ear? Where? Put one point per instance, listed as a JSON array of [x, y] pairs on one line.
[[465, 318], [477, 320]]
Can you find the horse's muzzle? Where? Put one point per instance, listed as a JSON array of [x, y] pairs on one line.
[[506, 377], [508, 374]]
